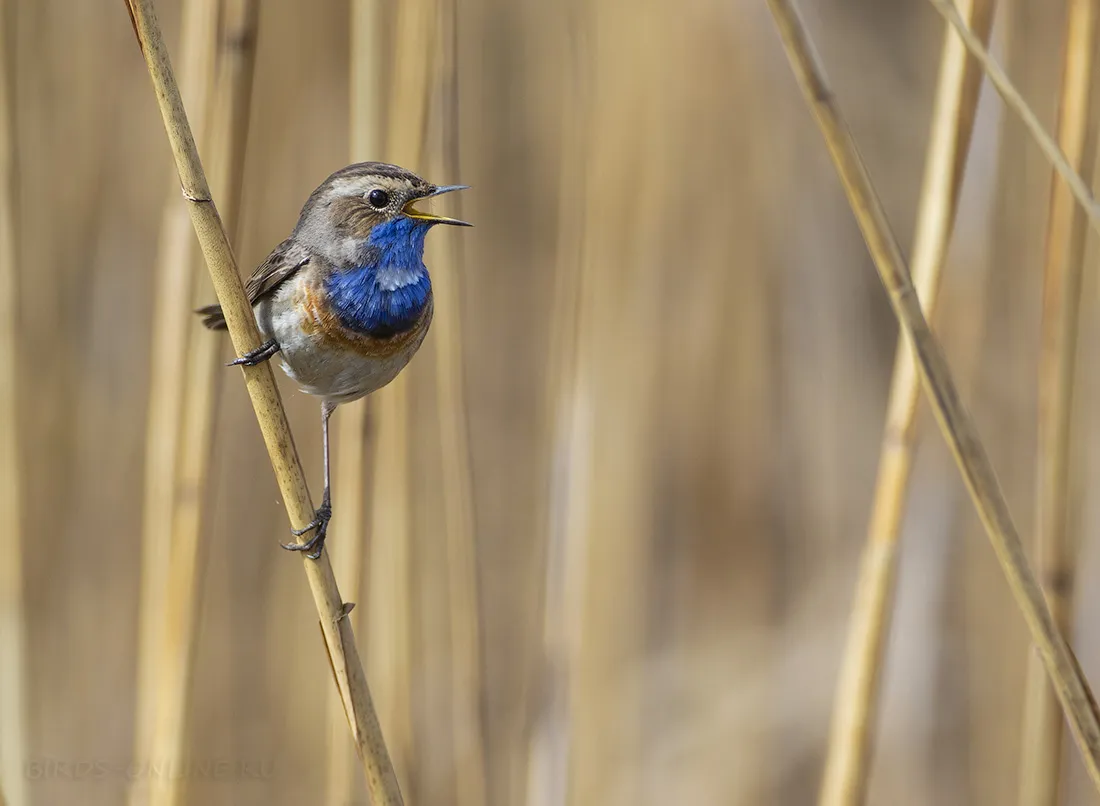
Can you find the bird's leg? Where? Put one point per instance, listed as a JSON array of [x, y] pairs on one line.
[[257, 356], [323, 515]]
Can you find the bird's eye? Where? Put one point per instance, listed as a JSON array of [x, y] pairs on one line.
[[378, 198]]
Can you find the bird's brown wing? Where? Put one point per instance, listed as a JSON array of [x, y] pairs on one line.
[[283, 262]]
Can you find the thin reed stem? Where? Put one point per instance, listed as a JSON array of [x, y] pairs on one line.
[[549, 748], [613, 472], [175, 266], [390, 594], [1015, 101], [454, 448], [350, 429], [1063, 265], [13, 643], [955, 422], [227, 133], [350, 530], [847, 764], [366, 79], [260, 383]]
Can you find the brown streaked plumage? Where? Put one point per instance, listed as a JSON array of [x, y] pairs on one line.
[[276, 267]]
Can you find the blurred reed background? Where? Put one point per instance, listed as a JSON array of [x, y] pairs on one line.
[[610, 519]]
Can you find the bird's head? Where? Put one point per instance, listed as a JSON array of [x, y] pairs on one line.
[[367, 212]]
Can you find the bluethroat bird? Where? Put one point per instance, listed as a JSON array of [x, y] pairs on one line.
[[346, 300]]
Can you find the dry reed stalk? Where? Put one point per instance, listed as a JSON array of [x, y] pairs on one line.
[[848, 757], [983, 660], [389, 596], [171, 321], [228, 121], [615, 402], [350, 428], [457, 482], [13, 644], [260, 383], [1041, 768], [1015, 101], [955, 422], [549, 746]]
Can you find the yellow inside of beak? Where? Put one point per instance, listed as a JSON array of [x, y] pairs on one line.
[[409, 211], [420, 215]]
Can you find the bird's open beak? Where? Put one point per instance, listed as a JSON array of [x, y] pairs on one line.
[[411, 212]]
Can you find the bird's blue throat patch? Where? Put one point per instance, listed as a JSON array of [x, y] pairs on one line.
[[387, 296]]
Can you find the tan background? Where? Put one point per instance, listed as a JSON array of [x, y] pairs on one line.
[[735, 346]]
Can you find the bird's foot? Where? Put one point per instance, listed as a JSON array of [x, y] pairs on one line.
[[255, 357], [316, 543]]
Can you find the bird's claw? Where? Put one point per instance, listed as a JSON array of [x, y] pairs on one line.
[[256, 357], [316, 543]]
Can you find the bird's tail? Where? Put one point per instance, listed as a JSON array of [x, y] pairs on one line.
[[212, 317]]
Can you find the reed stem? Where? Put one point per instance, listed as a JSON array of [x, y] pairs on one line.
[[1015, 101], [457, 483], [171, 321], [848, 757], [608, 510], [13, 642], [1063, 265], [955, 422], [227, 133], [260, 383], [549, 749], [350, 429], [390, 594]]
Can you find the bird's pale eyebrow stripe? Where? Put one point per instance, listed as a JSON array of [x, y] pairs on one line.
[[344, 187], [343, 183]]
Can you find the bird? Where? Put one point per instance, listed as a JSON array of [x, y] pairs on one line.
[[346, 300]]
